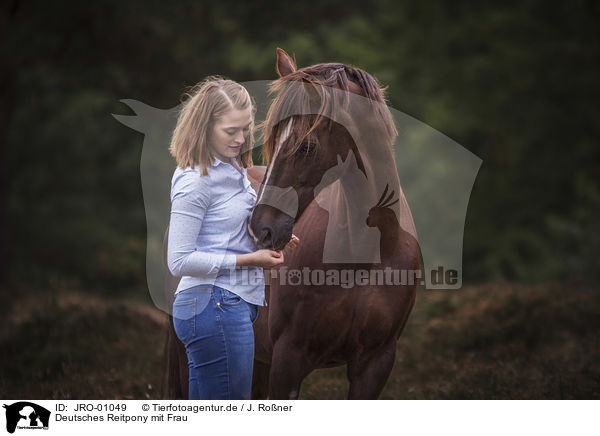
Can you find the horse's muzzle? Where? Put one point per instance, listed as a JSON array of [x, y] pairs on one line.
[[270, 228]]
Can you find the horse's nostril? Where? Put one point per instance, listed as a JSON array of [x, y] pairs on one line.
[[264, 239]]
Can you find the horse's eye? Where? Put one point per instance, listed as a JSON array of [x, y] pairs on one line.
[[306, 149]]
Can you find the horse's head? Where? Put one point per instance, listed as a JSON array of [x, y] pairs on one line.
[[310, 129]]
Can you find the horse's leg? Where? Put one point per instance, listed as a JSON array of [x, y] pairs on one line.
[[260, 380], [368, 374], [288, 368], [177, 370]]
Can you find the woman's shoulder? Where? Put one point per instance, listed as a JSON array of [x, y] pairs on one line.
[[188, 180], [190, 175]]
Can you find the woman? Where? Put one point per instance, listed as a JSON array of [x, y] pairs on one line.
[[211, 201]]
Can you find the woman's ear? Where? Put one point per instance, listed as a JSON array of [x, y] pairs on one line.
[[285, 64]]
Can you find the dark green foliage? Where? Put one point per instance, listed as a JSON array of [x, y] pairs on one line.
[[514, 83]]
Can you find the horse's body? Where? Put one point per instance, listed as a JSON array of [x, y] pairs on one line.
[[310, 326], [305, 328]]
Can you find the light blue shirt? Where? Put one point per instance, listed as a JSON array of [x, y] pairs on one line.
[[208, 227]]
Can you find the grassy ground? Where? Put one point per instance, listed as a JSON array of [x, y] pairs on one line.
[[69, 345], [493, 341]]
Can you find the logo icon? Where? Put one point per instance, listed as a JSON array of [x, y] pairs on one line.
[[26, 415]]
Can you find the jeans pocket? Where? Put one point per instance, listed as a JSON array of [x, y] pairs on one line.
[[229, 298], [184, 319], [253, 312]]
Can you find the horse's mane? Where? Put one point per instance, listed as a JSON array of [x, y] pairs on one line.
[[312, 91]]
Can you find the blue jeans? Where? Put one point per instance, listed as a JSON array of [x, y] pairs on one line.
[[215, 325]]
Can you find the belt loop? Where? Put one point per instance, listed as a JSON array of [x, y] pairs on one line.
[[218, 294]]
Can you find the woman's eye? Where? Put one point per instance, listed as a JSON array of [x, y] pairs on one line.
[[233, 132]]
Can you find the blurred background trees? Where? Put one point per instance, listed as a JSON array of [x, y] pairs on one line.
[[515, 83]]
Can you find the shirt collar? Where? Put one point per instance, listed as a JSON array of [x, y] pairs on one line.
[[216, 162]]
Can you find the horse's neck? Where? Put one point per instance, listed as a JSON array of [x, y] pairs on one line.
[[348, 238]]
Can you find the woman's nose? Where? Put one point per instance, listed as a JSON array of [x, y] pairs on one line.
[[239, 139]]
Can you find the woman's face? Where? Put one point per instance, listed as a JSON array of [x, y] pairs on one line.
[[229, 134]]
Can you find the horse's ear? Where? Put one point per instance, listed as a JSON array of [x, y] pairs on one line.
[[285, 64]]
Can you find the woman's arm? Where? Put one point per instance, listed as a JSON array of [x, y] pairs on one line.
[[187, 214], [184, 260], [264, 258]]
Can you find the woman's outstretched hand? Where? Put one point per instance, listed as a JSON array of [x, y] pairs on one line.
[[264, 258], [293, 242], [268, 258]]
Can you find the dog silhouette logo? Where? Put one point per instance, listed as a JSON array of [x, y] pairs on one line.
[[26, 415]]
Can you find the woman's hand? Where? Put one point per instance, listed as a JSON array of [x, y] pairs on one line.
[[268, 258], [264, 258], [293, 242]]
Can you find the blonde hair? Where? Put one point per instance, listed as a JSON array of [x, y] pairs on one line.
[[203, 105]]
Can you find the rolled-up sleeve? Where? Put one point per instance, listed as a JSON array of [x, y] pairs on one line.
[[188, 208]]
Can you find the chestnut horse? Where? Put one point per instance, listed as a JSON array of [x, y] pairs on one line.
[[332, 181]]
